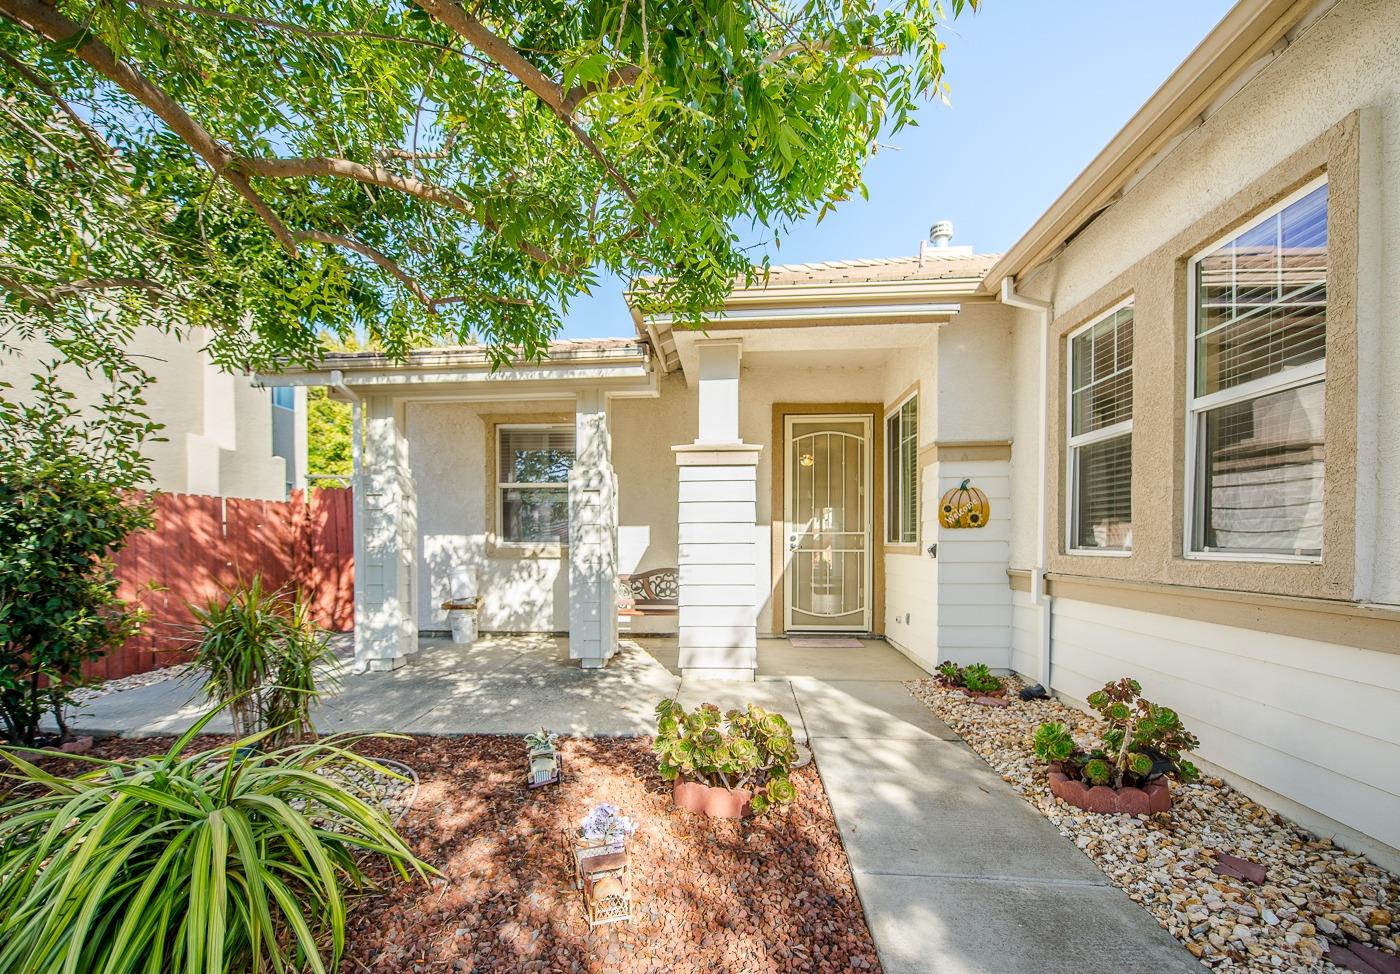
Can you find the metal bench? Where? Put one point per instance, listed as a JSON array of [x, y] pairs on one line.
[[652, 593]]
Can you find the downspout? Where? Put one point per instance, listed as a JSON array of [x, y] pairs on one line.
[[1039, 596], [357, 496]]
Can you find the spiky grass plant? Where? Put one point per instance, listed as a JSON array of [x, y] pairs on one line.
[[263, 658], [225, 860]]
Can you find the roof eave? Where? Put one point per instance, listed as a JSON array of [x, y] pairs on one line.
[[1243, 36]]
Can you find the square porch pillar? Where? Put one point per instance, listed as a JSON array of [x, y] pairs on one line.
[[386, 516], [592, 536], [717, 537]]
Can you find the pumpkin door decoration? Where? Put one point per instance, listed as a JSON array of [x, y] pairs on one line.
[[964, 507]]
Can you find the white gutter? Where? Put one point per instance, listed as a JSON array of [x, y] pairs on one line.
[[357, 496], [1039, 597]]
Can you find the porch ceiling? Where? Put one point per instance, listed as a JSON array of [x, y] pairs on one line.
[[814, 345]]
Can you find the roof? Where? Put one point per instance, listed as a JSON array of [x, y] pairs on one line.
[[563, 348], [932, 265], [1249, 33]]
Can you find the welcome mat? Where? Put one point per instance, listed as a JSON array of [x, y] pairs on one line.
[[823, 642]]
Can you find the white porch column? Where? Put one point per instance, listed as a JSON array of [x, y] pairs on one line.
[[717, 510], [592, 536], [386, 627]]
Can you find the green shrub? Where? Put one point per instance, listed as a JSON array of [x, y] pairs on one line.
[[67, 506], [748, 748], [264, 659], [1141, 741], [187, 863]]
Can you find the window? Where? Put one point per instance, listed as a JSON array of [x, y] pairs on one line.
[[1101, 434], [532, 474], [902, 473], [284, 396], [1257, 374]]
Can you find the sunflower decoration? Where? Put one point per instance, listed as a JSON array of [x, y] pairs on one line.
[[964, 507]]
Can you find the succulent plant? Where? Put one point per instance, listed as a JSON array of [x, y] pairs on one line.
[[978, 678], [950, 674], [750, 748], [1142, 741], [1053, 743]]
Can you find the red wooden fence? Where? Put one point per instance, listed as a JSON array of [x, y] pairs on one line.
[[201, 545]]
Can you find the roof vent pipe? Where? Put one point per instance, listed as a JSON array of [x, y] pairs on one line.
[[941, 233]]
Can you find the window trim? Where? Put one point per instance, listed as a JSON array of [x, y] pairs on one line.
[[1294, 377], [1074, 442], [272, 390], [891, 450], [500, 486]]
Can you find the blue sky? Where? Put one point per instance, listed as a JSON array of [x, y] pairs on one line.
[[1038, 88]]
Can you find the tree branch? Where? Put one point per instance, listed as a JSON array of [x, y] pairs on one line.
[[456, 17], [47, 22], [53, 295], [391, 267], [39, 81], [617, 78], [378, 176], [798, 47]]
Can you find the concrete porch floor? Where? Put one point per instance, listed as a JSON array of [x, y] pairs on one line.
[[956, 873], [512, 684]]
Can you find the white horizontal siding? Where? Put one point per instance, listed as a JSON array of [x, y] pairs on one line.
[[709, 491], [703, 534], [730, 553], [1314, 722], [717, 574], [1025, 635], [974, 598], [718, 512]]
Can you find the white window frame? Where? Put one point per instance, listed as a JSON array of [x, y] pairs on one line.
[[1290, 378], [890, 450], [502, 486], [1073, 442]]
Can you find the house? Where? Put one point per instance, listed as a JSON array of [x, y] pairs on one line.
[[1172, 390], [222, 435]]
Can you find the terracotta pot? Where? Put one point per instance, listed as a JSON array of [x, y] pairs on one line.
[[694, 796], [1156, 797]]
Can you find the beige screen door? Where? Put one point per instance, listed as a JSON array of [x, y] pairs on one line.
[[827, 522]]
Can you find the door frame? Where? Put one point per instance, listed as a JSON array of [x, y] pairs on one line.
[[778, 503]]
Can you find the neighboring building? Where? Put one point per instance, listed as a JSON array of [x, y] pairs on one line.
[[223, 435], [1177, 390]]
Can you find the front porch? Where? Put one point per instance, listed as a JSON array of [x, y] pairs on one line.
[[514, 684]]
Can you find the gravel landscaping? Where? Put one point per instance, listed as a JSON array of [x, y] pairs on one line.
[[1315, 898], [133, 682], [768, 895]]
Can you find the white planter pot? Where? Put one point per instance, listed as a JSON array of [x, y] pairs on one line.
[[463, 623]]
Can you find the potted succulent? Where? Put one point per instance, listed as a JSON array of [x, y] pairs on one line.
[[725, 765], [975, 679], [546, 764], [1128, 773]]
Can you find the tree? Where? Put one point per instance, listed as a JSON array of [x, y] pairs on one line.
[[67, 504], [328, 429], [430, 171]]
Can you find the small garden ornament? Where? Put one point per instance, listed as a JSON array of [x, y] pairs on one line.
[[546, 763], [1141, 748], [964, 506], [602, 864]]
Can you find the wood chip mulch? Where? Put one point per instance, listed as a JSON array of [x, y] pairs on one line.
[[769, 895]]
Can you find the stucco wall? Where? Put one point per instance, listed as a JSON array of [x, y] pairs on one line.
[[217, 435]]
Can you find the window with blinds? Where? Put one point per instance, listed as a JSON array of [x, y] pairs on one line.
[[1101, 434], [1259, 337], [532, 483], [902, 473]]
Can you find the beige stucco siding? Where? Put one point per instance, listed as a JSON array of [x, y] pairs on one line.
[[1303, 723]]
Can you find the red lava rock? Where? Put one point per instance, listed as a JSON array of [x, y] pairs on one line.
[[992, 702], [78, 745], [770, 894], [1237, 868]]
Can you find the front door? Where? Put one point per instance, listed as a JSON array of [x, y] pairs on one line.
[[827, 515]]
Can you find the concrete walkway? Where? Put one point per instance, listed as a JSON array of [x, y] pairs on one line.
[[958, 875]]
